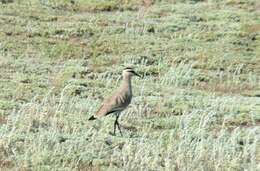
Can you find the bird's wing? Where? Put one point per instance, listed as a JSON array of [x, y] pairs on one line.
[[114, 103]]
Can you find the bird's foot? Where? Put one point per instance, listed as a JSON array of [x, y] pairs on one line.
[[112, 133]]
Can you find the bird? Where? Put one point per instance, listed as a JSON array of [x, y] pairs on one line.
[[118, 100]]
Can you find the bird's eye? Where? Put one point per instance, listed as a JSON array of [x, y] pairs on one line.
[[132, 71]]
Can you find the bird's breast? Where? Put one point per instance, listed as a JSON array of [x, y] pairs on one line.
[[124, 99]]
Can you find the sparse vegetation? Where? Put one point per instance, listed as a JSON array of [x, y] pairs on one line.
[[197, 108]]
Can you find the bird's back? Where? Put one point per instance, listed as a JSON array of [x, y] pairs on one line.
[[117, 102]]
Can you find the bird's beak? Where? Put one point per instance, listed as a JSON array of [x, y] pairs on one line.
[[137, 74]]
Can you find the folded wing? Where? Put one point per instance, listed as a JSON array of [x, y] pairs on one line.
[[112, 104]]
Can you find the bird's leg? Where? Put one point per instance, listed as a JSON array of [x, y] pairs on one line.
[[117, 123]]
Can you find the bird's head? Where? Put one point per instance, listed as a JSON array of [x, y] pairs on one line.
[[129, 72]]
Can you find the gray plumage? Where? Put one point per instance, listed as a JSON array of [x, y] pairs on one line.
[[119, 100]]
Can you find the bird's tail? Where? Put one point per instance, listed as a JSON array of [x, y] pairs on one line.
[[92, 118]]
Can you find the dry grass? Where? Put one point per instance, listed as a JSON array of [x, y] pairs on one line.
[[197, 107]]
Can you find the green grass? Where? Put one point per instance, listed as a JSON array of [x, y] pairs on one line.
[[197, 107]]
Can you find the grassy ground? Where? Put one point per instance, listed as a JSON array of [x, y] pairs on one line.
[[197, 108]]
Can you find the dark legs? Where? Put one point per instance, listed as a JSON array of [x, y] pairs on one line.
[[117, 124]]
